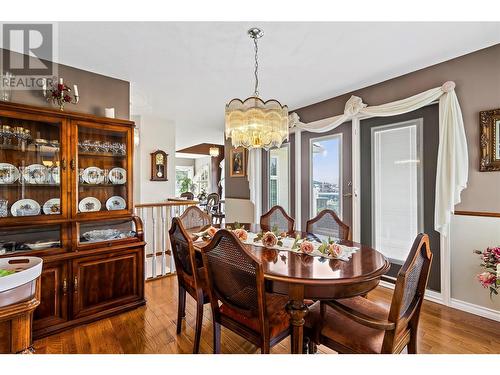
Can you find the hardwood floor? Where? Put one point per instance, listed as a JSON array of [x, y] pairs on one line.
[[151, 329]]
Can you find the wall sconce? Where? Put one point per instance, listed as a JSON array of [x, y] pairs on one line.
[[214, 151]]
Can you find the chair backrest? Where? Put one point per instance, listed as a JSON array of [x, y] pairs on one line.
[[188, 195], [184, 253], [277, 217], [410, 289], [213, 200], [327, 223], [194, 217], [234, 276]]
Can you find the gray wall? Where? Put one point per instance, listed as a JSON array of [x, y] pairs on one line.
[[477, 76], [235, 187], [96, 92]]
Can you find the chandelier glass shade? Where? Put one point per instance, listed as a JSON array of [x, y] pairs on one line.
[[213, 151], [254, 123]]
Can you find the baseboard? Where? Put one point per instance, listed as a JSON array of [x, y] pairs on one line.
[[431, 295], [485, 312]]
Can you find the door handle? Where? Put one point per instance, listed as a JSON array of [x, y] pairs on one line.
[[347, 195], [65, 286], [75, 285]]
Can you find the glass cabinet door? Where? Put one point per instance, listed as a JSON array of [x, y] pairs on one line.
[[15, 240], [102, 169], [94, 232], [31, 164]]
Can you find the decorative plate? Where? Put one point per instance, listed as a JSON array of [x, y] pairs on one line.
[[25, 207], [52, 207], [89, 204], [36, 174], [103, 235], [93, 175], [116, 203], [55, 175], [8, 173], [118, 176]]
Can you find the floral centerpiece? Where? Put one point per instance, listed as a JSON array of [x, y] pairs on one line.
[[327, 248], [271, 238], [490, 278], [208, 233]]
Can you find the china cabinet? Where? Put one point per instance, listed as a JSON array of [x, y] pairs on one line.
[[66, 196]]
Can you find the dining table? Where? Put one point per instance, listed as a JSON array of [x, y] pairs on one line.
[[303, 277]]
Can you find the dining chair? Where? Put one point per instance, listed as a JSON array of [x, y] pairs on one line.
[[190, 277], [358, 325], [188, 195], [327, 223], [213, 208], [277, 218], [194, 217], [239, 302]]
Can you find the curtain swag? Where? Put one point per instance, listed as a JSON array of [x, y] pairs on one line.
[[453, 160]]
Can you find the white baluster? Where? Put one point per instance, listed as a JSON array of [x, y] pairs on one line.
[[153, 216], [172, 263], [144, 219], [163, 243]]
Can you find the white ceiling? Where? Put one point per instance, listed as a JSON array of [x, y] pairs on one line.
[[186, 72]]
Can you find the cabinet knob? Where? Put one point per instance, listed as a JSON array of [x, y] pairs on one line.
[[65, 286], [75, 285], [63, 164]]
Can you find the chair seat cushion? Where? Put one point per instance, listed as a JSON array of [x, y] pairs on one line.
[[345, 332], [279, 319]]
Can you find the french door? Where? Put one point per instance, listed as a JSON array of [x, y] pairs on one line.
[[398, 170], [327, 173]]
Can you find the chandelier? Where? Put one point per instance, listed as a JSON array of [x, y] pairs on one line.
[[254, 123]]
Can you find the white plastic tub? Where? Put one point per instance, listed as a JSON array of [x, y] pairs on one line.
[[19, 286]]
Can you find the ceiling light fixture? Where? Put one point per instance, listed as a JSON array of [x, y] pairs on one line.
[[253, 123]]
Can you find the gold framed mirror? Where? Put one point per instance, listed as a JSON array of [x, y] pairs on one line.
[[490, 140]]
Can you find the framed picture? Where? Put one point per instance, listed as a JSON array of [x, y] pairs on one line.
[[238, 162], [490, 140]]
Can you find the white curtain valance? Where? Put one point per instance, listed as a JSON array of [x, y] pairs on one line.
[[453, 161]]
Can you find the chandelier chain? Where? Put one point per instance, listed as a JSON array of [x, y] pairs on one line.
[[256, 72]]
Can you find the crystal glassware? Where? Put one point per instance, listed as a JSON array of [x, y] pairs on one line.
[[4, 203]]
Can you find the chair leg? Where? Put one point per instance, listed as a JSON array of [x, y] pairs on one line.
[[412, 344], [181, 309], [199, 321], [266, 347], [216, 337]]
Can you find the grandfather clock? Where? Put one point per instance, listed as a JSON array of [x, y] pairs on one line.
[[159, 166]]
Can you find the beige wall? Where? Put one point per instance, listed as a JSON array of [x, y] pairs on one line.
[[96, 92], [477, 76]]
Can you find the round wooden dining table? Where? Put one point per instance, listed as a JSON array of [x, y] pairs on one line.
[[303, 277]]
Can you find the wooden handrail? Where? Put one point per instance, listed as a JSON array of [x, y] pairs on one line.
[[167, 204]]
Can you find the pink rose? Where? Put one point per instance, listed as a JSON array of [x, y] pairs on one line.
[[486, 279], [306, 247], [211, 231], [269, 239], [242, 234], [334, 250]]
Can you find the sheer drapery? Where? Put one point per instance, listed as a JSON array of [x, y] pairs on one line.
[[453, 160], [254, 173]]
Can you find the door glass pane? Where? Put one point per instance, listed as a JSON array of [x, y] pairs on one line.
[[29, 167], [102, 173], [105, 231], [279, 180], [326, 170], [396, 188], [15, 239]]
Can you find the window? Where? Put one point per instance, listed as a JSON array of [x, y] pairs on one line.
[[326, 172], [396, 188], [279, 182], [202, 179], [183, 179]]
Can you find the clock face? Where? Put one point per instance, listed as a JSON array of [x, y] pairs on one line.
[[159, 159]]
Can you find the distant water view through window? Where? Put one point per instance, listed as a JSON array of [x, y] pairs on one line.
[[325, 185]]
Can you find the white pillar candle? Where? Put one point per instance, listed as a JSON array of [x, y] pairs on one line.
[[109, 112], [60, 81], [75, 89], [44, 84]]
